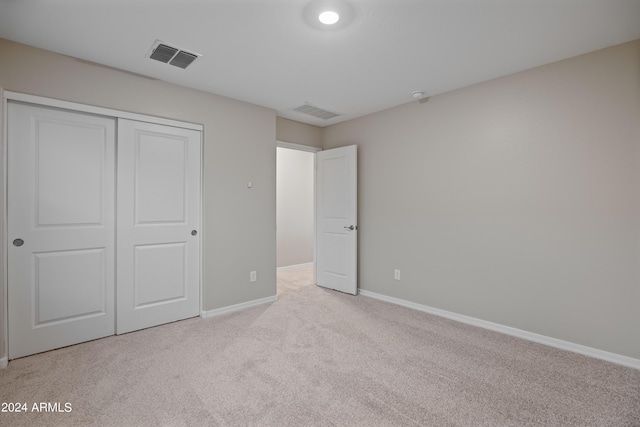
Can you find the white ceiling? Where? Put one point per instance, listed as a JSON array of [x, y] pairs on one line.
[[272, 53]]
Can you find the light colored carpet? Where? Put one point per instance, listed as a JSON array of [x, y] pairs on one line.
[[319, 358]]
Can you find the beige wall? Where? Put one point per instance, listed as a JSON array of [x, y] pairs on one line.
[[298, 133], [294, 207], [516, 201], [239, 146]]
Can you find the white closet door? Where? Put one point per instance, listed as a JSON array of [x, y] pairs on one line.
[[60, 228], [158, 232]]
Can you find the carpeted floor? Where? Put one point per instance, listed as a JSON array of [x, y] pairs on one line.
[[320, 358]]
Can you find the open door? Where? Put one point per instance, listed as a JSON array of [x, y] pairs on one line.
[[336, 219]]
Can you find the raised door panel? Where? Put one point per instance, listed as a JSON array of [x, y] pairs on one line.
[[161, 173], [160, 274], [69, 168], [69, 285]]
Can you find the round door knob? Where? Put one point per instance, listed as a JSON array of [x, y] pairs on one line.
[[18, 242], [194, 232]]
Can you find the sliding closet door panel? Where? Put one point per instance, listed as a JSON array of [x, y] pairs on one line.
[[158, 224], [61, 176]]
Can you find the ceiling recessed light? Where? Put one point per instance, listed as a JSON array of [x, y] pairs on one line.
[[329, 17]]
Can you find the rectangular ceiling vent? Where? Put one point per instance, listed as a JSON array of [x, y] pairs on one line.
[[172, 55], [316, 112]]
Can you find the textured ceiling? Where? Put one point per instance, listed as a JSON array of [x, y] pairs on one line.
[[273, 53]]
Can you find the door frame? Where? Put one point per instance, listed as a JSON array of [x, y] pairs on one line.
[[89, 109], [309, 149]]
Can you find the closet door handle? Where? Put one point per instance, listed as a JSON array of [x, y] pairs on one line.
[[18, 242], [194, 232]]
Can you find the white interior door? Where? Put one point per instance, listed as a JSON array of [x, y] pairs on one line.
[[60, 227], [158, 237], [336, 219]]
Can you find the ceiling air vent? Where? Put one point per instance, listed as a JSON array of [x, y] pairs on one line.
[[172, 55], [316, 112], [183, 59]]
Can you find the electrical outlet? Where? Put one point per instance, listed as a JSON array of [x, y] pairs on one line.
[[253, 276], [396, 274]]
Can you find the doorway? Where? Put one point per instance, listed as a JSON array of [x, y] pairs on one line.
[[295, 216]]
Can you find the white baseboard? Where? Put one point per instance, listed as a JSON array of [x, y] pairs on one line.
[[541, 339], [4, 362], [236, 307], [295, 266]]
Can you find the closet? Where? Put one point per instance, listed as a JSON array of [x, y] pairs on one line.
[[103, 223]]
